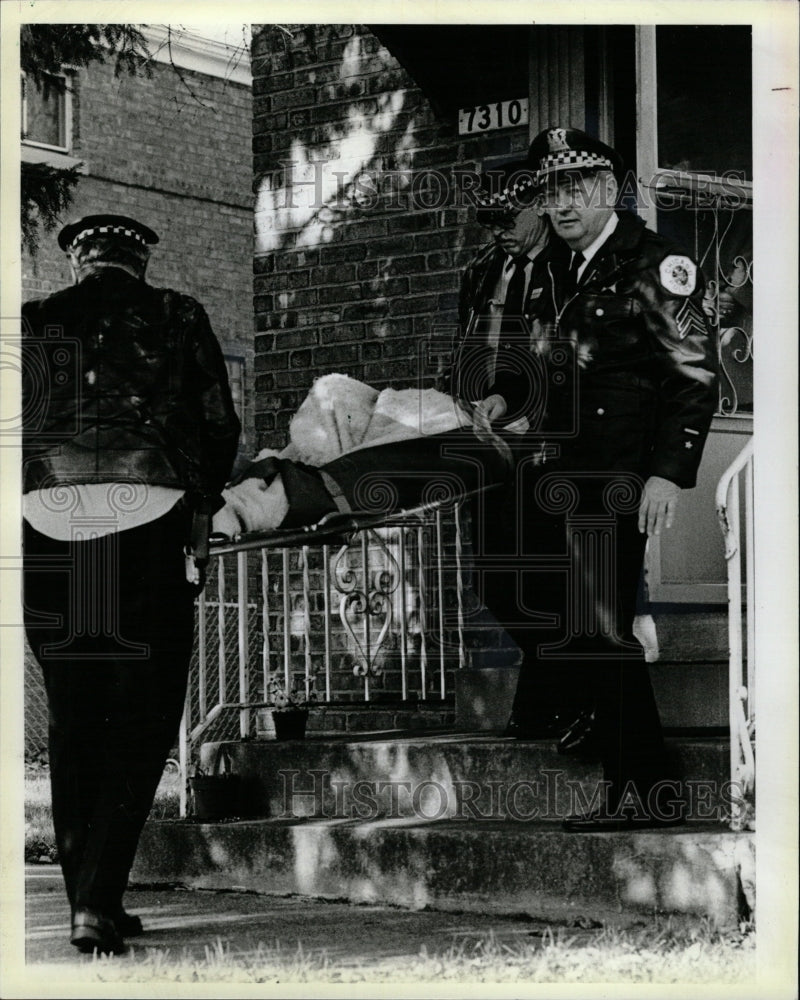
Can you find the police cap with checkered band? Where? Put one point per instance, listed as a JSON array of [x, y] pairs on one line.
[[558, 150], [504, 189], [105, 225]]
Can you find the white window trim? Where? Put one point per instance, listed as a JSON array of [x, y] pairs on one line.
[[646, 125], [202, 48], [651, 176], [65, 149]]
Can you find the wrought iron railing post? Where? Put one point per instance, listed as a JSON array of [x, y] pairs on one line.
[[742, 762], [393, 592], [183, 755], [326, 608], [244, 672]]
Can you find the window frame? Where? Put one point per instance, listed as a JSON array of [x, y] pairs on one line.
[[66, 96], [691, 188], [728, 429]]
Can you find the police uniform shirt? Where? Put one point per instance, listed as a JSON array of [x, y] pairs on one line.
[[592, 249], [497, 305], [91, 513]]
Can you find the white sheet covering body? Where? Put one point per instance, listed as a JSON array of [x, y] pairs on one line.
[[338, 416]]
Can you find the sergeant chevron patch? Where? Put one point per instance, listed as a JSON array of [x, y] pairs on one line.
[[689, 317], [678, 274]]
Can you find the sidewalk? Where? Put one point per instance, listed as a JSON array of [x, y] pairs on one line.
[[187, 922]]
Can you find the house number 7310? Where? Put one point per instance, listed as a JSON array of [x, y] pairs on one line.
[[488, 117]]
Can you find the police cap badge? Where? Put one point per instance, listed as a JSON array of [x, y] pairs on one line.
[[560, 149]]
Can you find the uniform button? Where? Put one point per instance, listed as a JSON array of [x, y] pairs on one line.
[[599, 312], [600, 411]]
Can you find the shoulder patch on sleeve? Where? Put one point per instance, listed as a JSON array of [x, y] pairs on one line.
[[688, 319], [678, 274]]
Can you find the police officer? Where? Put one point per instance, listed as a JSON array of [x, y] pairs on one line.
[[129, 435], [623, 431], [497, 378], [490, 370]]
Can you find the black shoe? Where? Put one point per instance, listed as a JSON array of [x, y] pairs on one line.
[[601, 822], [91, 931], [128, 924], [579, 736]]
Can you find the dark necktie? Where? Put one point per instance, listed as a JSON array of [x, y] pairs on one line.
[[571, 284], [515, 293]]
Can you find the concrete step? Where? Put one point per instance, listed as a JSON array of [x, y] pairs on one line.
[[372, 716], [440, 775], [676, 633], [691, 636], [688, 694], [490, 866]]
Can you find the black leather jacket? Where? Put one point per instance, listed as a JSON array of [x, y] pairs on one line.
[[639, 384], [124, 382], [466, 375]]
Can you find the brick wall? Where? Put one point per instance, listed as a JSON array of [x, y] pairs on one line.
[[174, 153], [353, 273]]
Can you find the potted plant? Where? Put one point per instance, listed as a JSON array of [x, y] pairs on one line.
[[215, 793], [289, 707]]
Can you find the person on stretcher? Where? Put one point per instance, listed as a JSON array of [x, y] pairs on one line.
[[356, 449]]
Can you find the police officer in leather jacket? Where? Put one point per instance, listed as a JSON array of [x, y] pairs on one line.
[[129, 433], [496, 377], [491, 363], [631, 390]]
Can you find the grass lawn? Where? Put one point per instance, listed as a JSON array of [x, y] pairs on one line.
[[658, 953], [39, 837], [663, 951]]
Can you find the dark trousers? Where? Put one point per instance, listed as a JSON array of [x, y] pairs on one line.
[[110, 621], [562, 556]]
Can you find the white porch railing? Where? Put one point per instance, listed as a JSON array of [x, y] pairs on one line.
[[741, 672], [298, 601], [387, 601]]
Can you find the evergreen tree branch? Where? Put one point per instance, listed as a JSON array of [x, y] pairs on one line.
[[45, 193]]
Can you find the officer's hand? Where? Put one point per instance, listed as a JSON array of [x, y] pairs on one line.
[[488, 410], [657, 509]]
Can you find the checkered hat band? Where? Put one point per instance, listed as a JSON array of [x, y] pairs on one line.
[[108, 230], [574, 158], [504, 198]]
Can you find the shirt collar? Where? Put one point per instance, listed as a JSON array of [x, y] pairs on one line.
[[530, 256], [611, 224]]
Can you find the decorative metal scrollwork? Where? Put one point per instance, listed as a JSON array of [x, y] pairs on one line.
[[727, 302], [366, 596]]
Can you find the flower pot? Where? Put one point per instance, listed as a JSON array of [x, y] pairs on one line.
[[214, 796], [290, 723]]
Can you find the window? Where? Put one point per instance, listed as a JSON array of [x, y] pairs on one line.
[[695, 167], [47, 113]]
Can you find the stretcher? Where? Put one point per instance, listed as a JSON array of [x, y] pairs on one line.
[[357, 454]]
